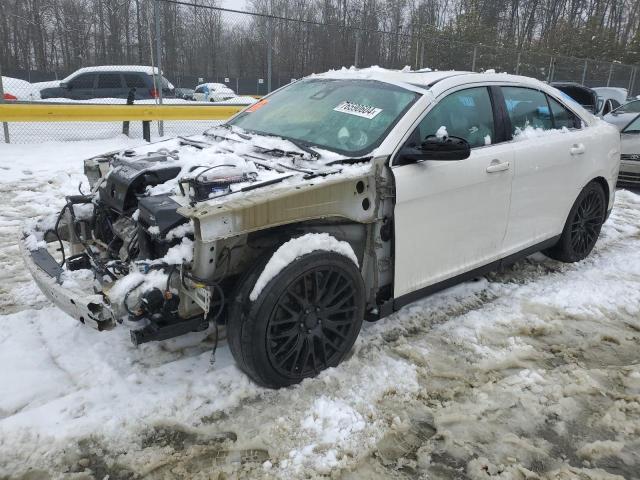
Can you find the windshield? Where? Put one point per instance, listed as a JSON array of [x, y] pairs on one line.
[[346, 116], [631, 107], [633, 127]]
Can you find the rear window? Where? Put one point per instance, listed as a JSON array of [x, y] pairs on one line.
[[109, 80], [527, 107], [161, 81], [134, 81], [562, 117]]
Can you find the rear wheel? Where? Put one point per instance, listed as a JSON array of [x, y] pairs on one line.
[[583, 225], [305, 320]]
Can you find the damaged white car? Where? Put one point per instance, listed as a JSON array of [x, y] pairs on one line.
[[338, 198]]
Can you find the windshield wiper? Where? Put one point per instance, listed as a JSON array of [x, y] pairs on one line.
[[304, 146]]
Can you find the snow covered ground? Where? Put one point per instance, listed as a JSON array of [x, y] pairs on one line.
[[531, 373]]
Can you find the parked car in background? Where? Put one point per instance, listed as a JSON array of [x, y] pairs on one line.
[[111, 81], [184, 93], [630, 154], [16, 89], [341, 196], [213, 92], [610, 98], [632, 106], [584, 96]]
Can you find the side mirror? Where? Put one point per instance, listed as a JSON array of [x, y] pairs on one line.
[[435, 148], [65, 85]]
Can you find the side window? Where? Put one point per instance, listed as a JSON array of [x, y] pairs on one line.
[[562, 117], [199, 90], [527, 107], [83, 81], [134, 81], [109, 80], [466, 114]]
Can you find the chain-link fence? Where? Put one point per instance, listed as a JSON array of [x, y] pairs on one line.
[[211, 55]]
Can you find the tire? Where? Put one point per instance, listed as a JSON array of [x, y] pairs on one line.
[[583, 225], [288, 334]]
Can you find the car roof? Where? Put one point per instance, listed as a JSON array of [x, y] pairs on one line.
[[426, 79], [423, 78], [114, 68]]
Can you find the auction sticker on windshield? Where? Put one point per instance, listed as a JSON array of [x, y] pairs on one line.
[[364, 111]]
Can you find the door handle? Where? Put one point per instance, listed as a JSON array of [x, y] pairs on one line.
[[577, 149], [496, 166]]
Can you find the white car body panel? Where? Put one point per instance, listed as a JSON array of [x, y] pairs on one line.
[[452, 217]]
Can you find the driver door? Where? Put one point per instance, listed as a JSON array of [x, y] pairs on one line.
[[451, 216]]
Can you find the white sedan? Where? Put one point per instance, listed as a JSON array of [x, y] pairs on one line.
[[213, 92], [341, 196]]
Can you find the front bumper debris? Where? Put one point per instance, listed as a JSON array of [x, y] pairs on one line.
[[89, 309]]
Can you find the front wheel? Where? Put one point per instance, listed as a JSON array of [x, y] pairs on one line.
[[583, 225], [305, 319]]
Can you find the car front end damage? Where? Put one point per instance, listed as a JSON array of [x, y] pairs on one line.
[[163, 238]]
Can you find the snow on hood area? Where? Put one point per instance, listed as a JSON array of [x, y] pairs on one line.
[[220, 152], [530, 373]]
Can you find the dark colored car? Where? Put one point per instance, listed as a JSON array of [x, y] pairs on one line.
[[185, 93], [111, 82], [585, 96]]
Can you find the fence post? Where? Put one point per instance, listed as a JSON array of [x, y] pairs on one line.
[[550, 74], [5, 125], [269, 48], [584, 72], [355, 57], [473, 62], [610, 73], [156, 13], [518, 64], [130, 97], [634, 72]]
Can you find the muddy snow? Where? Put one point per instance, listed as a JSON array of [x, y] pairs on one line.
[[529, 373]]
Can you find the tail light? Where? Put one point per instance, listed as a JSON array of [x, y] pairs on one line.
[[8, 96], [154, 93]]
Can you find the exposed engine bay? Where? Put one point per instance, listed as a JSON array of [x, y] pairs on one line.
[[167, 229]]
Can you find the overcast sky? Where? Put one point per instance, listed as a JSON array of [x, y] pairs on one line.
[[233, 4]]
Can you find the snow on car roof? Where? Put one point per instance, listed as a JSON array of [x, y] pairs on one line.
[[423, 77], [214, 86], [114, 68]]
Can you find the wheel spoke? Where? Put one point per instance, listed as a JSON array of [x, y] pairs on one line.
[[312, 322], [337, 294], [282, 348], [286, 333]]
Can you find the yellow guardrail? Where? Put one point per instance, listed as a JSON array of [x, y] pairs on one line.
[[111, 113]]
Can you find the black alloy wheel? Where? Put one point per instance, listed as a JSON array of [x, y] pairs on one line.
[[305, 319], [583, 225], [586, 223], [311, 322]]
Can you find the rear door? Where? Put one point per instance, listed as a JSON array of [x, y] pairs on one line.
[[551, 148], [110, 85], [451, 216], [136, 81], [82, 86]]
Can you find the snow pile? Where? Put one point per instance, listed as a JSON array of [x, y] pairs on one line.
[[20, 89], [330, 425], [180, 231], [296, 248], [442, 132], [530, 132]]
